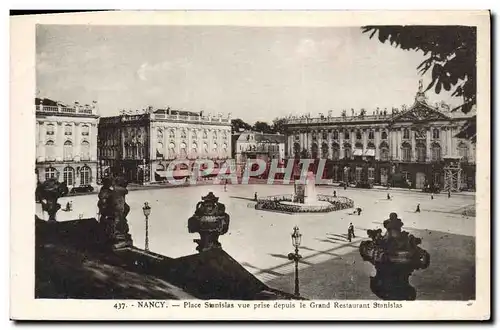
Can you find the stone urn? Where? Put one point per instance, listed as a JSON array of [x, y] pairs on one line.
[[395, 255], [48, 193], [210, 220]]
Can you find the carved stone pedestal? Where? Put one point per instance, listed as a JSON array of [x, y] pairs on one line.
[[48, 193]]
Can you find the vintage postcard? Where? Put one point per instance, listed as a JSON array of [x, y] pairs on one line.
[[251, 166]]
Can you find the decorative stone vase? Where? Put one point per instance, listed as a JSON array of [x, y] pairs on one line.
[[48, 193], [210, 220], [395, 255]]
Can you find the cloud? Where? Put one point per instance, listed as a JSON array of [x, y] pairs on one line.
[[146, 69]]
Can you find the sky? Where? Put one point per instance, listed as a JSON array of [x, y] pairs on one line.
[[254, 73]]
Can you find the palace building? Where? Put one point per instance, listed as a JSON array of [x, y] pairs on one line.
[[257, 145], [415, 147], [142, 145], [66, 142]]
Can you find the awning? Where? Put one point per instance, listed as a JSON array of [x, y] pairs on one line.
[[358, 152], [370, 152]]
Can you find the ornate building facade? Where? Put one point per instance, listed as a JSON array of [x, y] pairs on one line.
[[415, 147], [143, 145], [257, 145], [66, 142]]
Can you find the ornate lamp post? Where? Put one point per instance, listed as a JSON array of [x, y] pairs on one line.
[[296, 240], [147, 211]]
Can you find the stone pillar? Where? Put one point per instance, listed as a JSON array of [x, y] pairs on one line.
[[449, 142], [377, 145], [364, 136], [413, 142], [330, 142], [93, 142], [78, 141], [309, 143], [341, 144], [59, 143], [428, 143]]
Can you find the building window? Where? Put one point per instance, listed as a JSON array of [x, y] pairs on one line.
[[324, 135], [194, 135], [215, 135], [335, 152], [194, 149], [358, 135], [406, 133], [384, 154], [159, 150], [50, 173], [85, 130], [436, 152], [435, 133], [335, 135], [371, 135], [171, 150], [359, 171], [85, 176], [205, 148], [50, 129], [224, 136], [205, 134], [384, 135], [297, 137], [296, 149], [324, 150], [68, 130], [463, 151], [335, 173], [224, 148], [215, 148], [346, 135], [406, 152], [314, 151], [183, 150], [159, 134], [69, 175], [68, 150], [183, 134], [140, 153], [421, 152], [85, 146], [347, 151], [171, 134], [50, 151], [371, 173]]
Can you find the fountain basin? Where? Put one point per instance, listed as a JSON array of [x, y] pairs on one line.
[[286, 204]]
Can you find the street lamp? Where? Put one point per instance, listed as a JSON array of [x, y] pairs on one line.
[[296, 239], [147, 211]]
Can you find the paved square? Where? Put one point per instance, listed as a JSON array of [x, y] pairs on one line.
[[331, 267]]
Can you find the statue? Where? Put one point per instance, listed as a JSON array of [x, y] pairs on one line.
[[420, 86], [113, 211], [395, 255], [210, 220], [47, 193]]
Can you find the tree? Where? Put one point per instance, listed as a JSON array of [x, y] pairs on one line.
[[237, 124], [279, 125], [261, 126], [451, 57]]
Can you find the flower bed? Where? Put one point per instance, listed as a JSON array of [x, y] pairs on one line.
[[273, 203]]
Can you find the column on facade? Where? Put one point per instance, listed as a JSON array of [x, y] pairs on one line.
[[449, 142], [78, 141], [93, 142], [309, 142], [330, 143], [59, 143], [352, 135], [43, 133], [428, 143], [319, 142], [413, 142], [454, 141], [377, 144], [364, 135], [341, 144]]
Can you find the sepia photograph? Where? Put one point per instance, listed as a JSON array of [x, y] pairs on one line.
[[298, 167]]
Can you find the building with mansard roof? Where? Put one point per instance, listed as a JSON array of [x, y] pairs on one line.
[[142, 145], [414, 147], [66, 142]]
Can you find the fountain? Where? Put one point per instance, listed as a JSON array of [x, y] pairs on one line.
[[304, 199]]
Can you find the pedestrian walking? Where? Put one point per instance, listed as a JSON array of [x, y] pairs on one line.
[[388, 196], [359, 210], [449, 193], [255, 196], [418, 209], [334, 193], [350, 232], [432, 196]]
